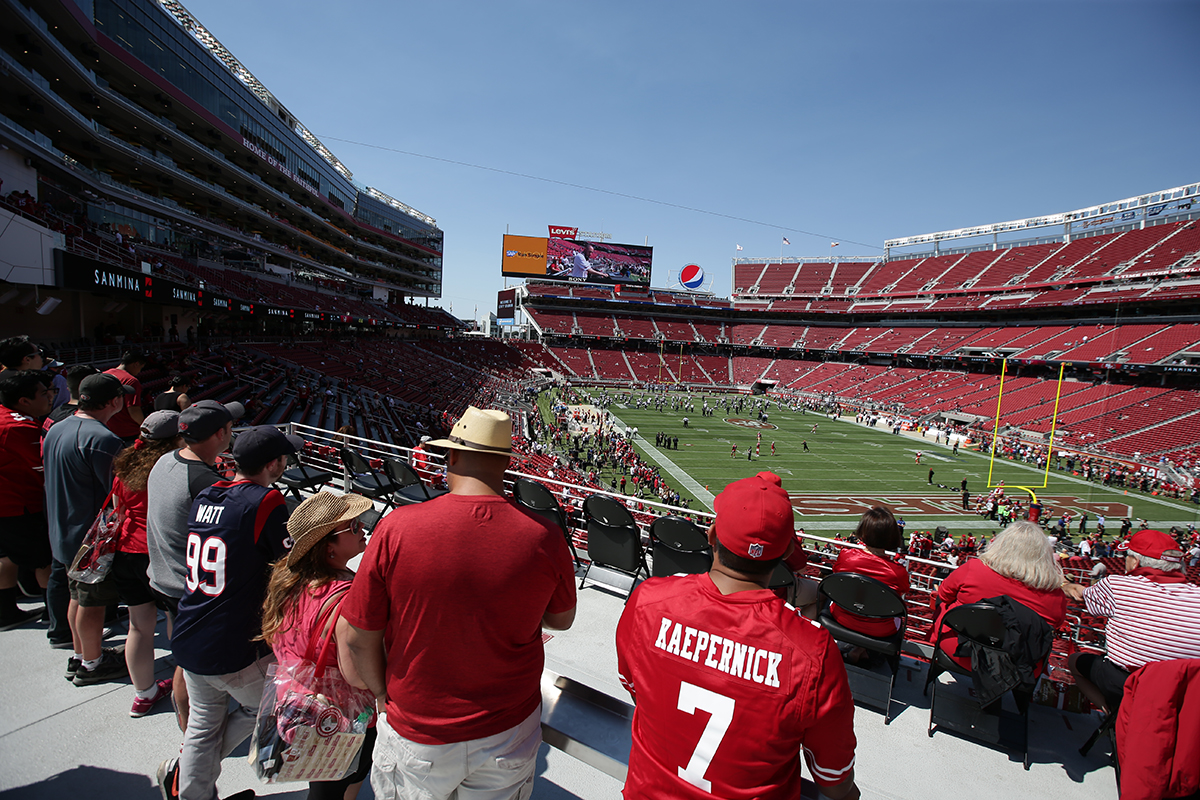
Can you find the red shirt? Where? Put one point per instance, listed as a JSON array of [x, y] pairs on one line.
[[132, 538], [975, 581], [122, 424], [22, 484], [459, 585], [881, 569], [730, 690]]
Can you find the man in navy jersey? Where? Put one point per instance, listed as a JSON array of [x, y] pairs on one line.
[[235, 531], [733, 685]]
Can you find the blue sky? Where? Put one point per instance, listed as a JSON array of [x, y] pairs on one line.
[[850, 121]]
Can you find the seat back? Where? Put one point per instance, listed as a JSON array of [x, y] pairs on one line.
[[540, 500], [607, 511], [782, 579], [613, 537], [979, 622], [862, 595], [677, 545], [401, 475], [355, 462]]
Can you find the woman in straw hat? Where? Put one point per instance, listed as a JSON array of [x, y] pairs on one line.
[[310, 582]]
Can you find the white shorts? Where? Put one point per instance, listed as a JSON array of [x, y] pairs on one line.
[[498, 767]]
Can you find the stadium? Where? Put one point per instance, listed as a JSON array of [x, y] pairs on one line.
[[154, 194]]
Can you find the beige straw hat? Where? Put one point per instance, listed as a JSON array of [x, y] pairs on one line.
[[317, 516], [480, 431]]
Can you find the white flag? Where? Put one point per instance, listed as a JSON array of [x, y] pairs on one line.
[[738, 246], [785, 240]]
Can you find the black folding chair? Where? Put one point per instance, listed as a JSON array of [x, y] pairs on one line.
[[298, 477], [364, 480], [614, 540], [782, 580], [982, 624], [540, 500], [866, 597], [678, 545], [407, 487]]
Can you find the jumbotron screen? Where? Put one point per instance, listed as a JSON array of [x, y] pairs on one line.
[[572, 260]]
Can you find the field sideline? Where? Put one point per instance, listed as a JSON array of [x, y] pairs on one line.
[[850, 467]]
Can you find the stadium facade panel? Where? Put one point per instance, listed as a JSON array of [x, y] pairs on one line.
[[127, 122]]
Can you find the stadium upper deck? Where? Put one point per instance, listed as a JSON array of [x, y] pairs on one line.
[[134, 134]]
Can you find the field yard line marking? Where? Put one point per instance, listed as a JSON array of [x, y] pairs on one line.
[[1040, 470], [698, 491]]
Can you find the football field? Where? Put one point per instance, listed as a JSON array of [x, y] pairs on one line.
[[849, 467]]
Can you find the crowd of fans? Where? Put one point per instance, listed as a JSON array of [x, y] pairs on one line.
[[205, 538]]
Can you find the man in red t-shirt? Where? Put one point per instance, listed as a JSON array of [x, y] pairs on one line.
[[25, 397], [444, 624], [732, 685], [128, 423]]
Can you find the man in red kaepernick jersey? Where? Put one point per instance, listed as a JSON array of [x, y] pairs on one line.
[[732, 685]]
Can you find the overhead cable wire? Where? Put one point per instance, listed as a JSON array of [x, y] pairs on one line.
[[586, 188]]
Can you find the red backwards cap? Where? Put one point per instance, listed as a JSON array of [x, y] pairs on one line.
[[754, 517], [1152, 544]]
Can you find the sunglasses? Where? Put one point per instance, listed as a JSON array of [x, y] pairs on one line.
[[355, 527]]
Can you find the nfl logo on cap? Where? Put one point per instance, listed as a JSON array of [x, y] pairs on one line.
[[691, 276], [755, 550]]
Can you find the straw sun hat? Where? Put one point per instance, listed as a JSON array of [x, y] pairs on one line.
[[317, 516], [480, 431]]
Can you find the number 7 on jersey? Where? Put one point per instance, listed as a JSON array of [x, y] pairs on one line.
[[720, 708]]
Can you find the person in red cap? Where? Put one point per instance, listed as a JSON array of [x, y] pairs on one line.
[[1153, 615], [732, 685]]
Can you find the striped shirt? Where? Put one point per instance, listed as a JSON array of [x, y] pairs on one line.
[[1148, 621]]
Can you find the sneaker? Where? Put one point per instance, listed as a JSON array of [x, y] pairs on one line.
[[16, 618], [62, 644], [112, 665], [141, 707], [73, 665], [167, 778]]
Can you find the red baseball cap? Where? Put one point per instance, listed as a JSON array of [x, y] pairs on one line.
[[754, 517], [1153, 544]]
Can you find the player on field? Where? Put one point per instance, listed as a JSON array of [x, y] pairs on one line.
[[732, 684], [772, 448], [733, 452], [814, 428], [805, 443]]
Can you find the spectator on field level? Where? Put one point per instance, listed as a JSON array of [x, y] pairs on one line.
[[1153, 615], [75, 376], [463, 710], [878, 532], [18, 353], [127, 423], [1019, 563], [174, 482], [128, 579], [79, 454], [24, 538], [721, 646], [236, 530], [308, 586], [176, 398]]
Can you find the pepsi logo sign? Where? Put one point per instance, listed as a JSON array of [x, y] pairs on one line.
[[691, 276]]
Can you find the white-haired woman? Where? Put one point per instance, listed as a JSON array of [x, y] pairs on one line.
[[1019, 563]]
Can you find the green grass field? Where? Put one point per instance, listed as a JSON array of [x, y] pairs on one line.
[[850, 467]]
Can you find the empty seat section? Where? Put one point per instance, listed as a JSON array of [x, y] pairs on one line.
[[636, 327], [747, 369], [775, 278], [595, 324], [1164, 344], [611, 366]]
